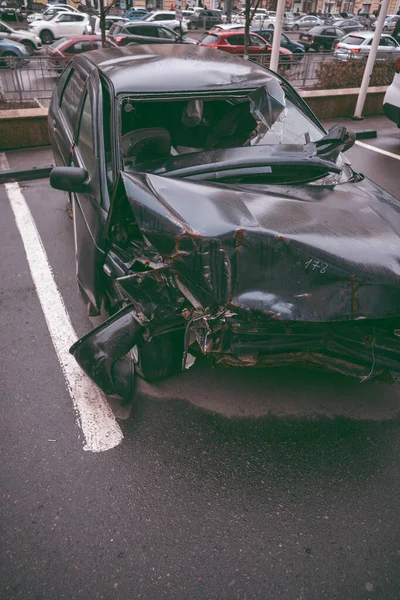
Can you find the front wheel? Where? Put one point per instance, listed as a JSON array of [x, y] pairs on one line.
[[5, 62], [321, 49], [46, 36], [29, 47], [270, 26], [295, 27], [159, 358]]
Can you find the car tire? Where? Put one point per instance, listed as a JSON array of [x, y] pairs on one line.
[[30, 48], [6, 55], [46, 36], [270, 26], [295, 27], [385, 28], [321, 49], [159, 358]]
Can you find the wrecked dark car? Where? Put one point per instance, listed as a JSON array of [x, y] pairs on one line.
[[214, 215]]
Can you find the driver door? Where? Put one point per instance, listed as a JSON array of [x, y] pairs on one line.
[[90, 209]]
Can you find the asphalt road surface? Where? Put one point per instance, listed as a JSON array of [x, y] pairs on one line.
[[226, 484]]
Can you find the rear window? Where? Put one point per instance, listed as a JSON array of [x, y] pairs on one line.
[[58, 43], [210, 39], [353, 40], [115, 29]]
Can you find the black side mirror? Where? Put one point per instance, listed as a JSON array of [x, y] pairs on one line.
[[69, 179]]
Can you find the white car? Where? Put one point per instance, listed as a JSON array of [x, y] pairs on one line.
[[64, 24], [50, 12], [168, 19], [391, 101], [260, 16]]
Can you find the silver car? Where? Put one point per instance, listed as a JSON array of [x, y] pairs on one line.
[[389, 23], [307, 22], [357, 46], [28, 39]]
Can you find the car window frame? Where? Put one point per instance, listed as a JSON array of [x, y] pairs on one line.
[[71, 127]]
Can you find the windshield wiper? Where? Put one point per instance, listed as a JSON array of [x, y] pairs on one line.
[[286, 169]]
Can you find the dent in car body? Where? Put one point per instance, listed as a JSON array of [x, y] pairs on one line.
[[266, 275]]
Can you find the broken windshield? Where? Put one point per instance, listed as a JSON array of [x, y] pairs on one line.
[[156, 130]]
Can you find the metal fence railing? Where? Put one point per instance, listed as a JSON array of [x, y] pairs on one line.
[[26, 79], [22, 80], [35, 78]]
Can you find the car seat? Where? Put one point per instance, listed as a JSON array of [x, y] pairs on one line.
[[146, 144]]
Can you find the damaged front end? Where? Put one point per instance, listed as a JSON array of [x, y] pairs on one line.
[[249, 276]]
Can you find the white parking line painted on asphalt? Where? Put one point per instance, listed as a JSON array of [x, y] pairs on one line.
[[378, 150], [99, 426]]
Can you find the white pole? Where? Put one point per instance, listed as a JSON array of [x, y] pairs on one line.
[[371, 60], [276, 40]]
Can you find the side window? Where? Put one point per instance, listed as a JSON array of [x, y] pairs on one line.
[[148, 31], [390, 42], [235, 40], [266, 34], [165, 33], [256, 42], [159, 18], [78, 47], [168, 17], [71, 97], [85, 136]]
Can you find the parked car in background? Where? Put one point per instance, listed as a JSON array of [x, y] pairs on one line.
[[391, 101], [50, 12], [135, 13], [226, 251], [61, 25], [307, 22], [29, 39], [233, 43], [321, 38], [357, 46], [109, 22], [288, 21], [12, 50], [141, 32], [11, 11], [296, 48], [365, 21], [389, 23], [64, 50], [167, 18], [260, 17], [204, 19], [348, 25]]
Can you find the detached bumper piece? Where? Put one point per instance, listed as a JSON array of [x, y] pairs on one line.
[[102, 353]]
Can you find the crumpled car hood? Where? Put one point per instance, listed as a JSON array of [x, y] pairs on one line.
[[307, 253]]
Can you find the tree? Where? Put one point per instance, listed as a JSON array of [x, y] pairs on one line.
[[250, 10]]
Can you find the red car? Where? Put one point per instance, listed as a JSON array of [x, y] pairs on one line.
[[62, 51], [233, 42]]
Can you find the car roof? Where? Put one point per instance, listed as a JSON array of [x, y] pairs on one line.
[[159, 68], [366, 34], [80, 38], [139, 23]]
